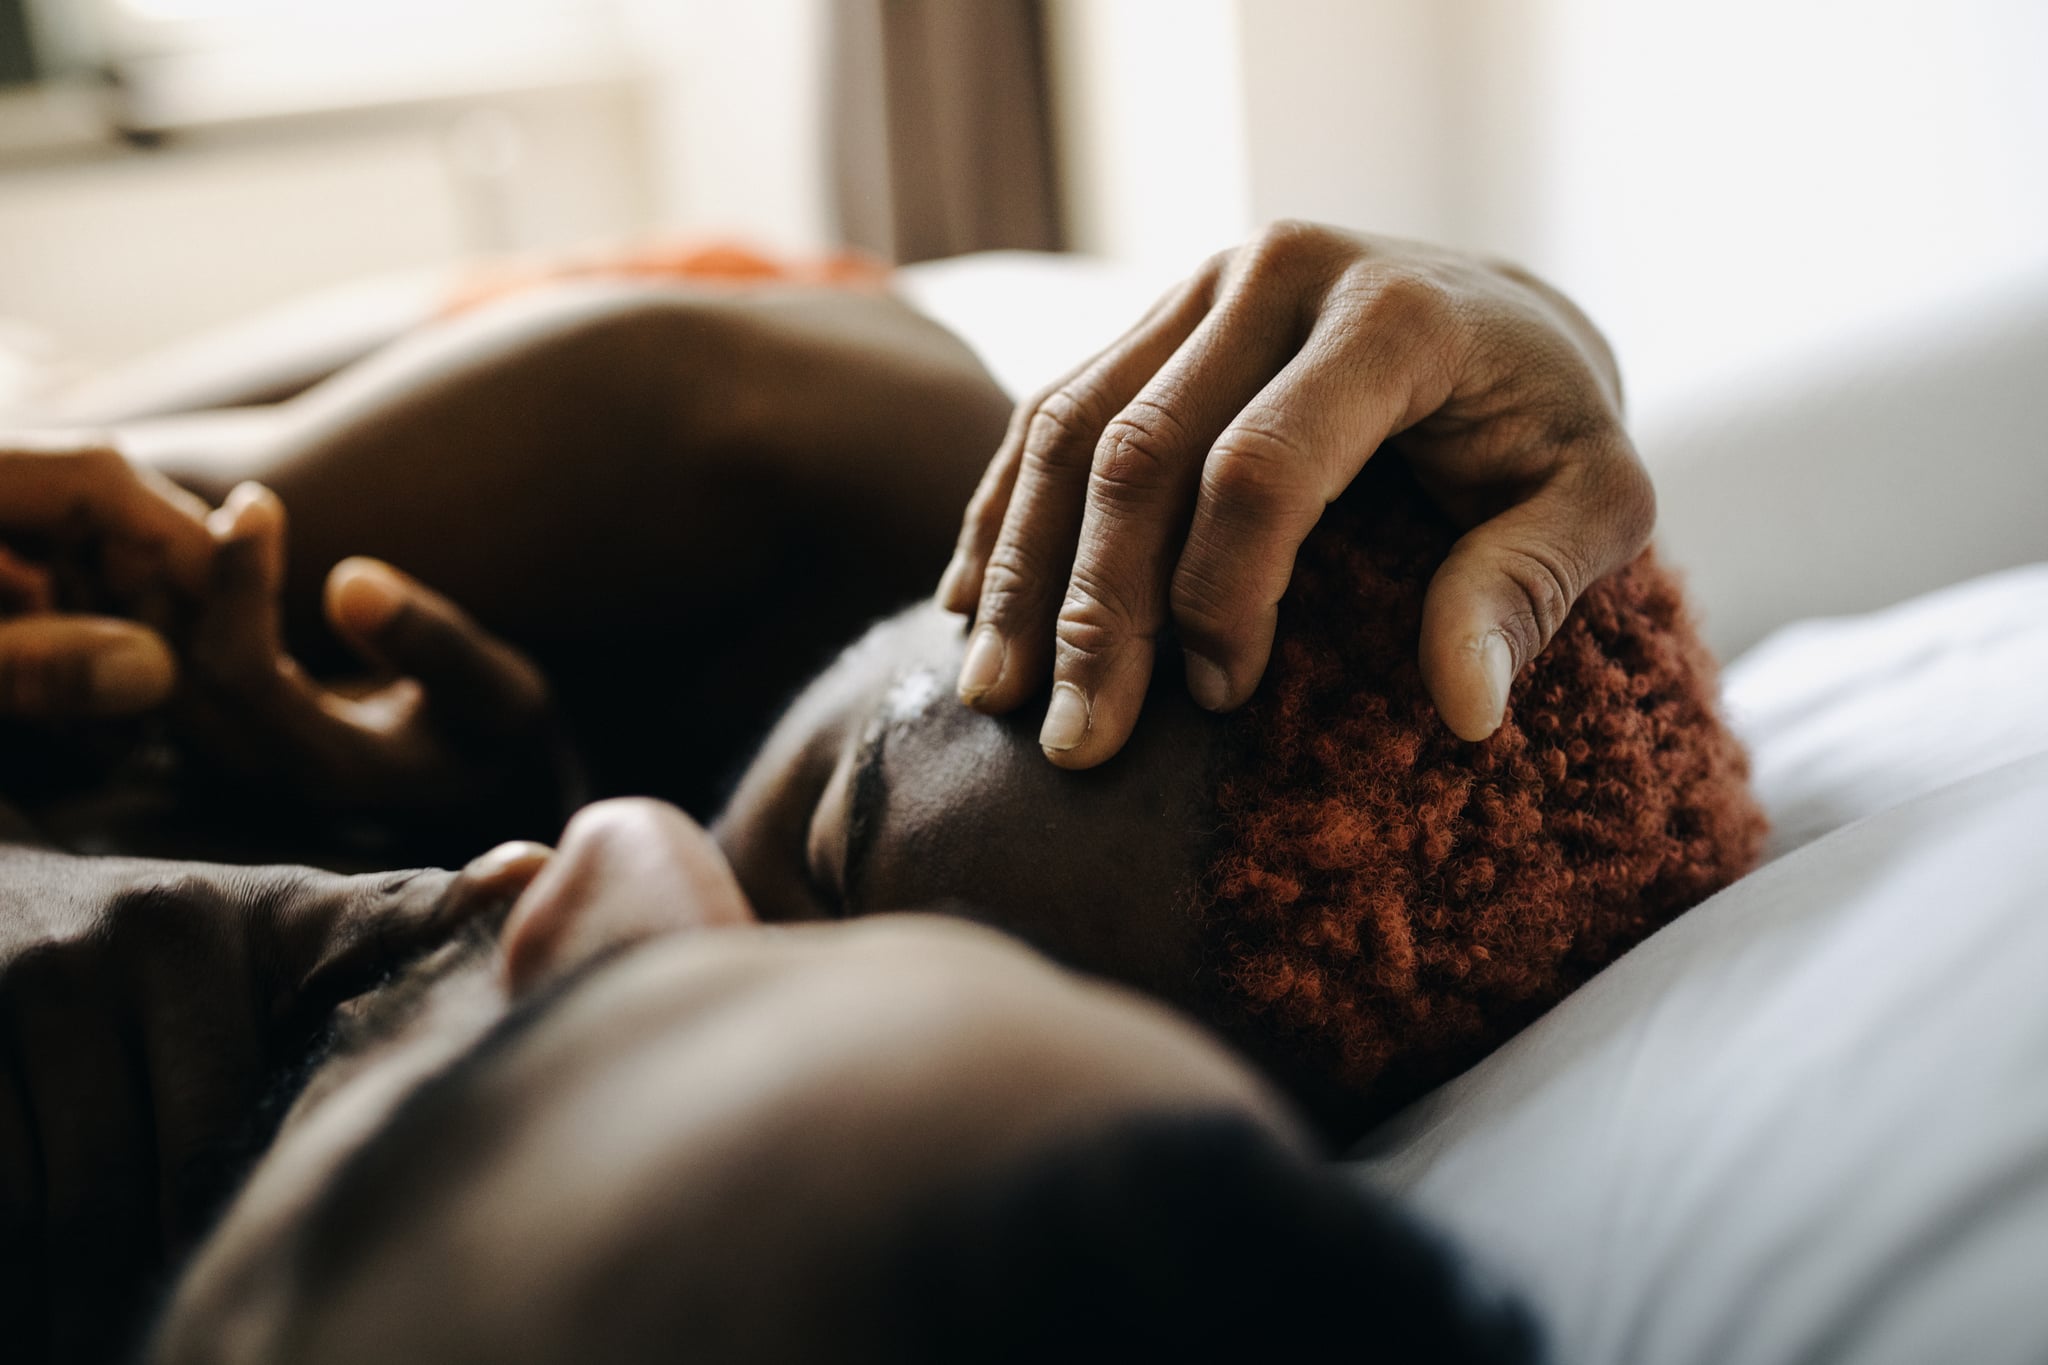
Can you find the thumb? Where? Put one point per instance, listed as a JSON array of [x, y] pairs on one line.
[[1509, 583], [68, 666], [336, 935]]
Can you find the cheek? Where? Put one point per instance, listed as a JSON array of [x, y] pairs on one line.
[[1093, 869]]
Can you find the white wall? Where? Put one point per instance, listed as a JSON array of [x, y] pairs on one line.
[[114, 253], [737, 114], [1148, 106], [1728, 187]]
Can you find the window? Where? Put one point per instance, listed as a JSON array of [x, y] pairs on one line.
[[190, 62]]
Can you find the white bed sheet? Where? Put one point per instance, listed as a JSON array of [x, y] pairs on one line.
[[1850, 716], [1809, 1120]]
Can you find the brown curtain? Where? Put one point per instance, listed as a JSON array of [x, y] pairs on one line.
[[940, 136]]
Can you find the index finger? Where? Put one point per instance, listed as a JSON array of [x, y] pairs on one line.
[[54, 481], [1286, 457]]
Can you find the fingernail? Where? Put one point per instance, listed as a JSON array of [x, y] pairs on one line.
[[1499, 665], [983, 666], [507, 869], [1208, 684], [949, 581], [1066, 719], [132, 675], [519, 854], [367, 594], [494, 880]]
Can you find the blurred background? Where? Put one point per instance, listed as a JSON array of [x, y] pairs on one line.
[[1727, 187]]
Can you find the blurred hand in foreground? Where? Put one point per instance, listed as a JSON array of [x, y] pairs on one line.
[[71, 500], [1168, 482], [458, 728]]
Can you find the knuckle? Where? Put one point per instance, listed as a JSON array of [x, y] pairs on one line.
[[1061, 433], [1284, 253], [1139, 455], [1013, 584], [1286, 241], [1203, 604], [1547, 580], [1098, 614], [1258, 469], [1084, 639], [1399, 299]]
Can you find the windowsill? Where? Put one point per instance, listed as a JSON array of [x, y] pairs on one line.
[[249, 88], [218, 88], [56, 119]]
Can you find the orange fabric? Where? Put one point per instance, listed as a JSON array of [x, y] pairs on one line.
[[1391, 902], [725, 263]]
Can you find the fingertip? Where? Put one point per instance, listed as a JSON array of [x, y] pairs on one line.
[[249, 510], [1068, 719], [508, 862], [981, 668], [364, 596], [1208, 681], [1473, 700], [494, 880], [959, 585], [135, 672]]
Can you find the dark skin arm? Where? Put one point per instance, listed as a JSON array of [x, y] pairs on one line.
[[650, 465], [677, 501]]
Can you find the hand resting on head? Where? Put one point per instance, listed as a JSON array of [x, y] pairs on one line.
[[1166, 484]]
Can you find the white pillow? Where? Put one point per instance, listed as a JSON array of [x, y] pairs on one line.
[[1844, 718], [1806, 1122], [1034, 315]]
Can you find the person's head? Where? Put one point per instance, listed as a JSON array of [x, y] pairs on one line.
[[1329, 875], [634, 1125]]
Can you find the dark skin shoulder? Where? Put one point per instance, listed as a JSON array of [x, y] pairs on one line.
[[677, 501]]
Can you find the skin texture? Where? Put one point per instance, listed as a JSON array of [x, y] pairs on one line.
[[1169, 481], [878, 1060], [1093, 869], [144, 1008], [74, 495], [642, 490], [636, 490], [638, 485]]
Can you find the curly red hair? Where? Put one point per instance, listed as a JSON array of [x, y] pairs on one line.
[[1384, 902]]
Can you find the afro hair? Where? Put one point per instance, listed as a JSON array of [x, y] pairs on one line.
[[1383, 902]]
